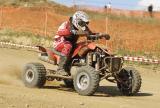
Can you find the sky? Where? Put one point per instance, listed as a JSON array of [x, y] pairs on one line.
[[121, 4]]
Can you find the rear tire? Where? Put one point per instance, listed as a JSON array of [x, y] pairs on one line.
[[131, 81], [86, 80], [34, 75]]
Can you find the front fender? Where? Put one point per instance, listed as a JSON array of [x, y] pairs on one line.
[[91, 46], [82, 49]]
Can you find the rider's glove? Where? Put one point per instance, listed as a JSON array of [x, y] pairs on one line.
[[106, 36], [75, 32]]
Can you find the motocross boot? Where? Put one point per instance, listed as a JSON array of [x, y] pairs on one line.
[[61, 67]]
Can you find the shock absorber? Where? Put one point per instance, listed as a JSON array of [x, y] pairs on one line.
[[96, 60], [89, 58], [97, 65]]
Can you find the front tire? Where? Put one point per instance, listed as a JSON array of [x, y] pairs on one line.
[[130, 81], [86, 80], [34, 75]]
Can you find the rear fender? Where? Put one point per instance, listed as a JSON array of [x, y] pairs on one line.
[[50, 53], [41, 49], [53, 56]]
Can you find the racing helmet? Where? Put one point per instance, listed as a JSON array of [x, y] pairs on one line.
[[80, 20]]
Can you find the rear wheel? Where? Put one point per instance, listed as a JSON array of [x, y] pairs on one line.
[[34, 75], [129, 81], [86, 80]]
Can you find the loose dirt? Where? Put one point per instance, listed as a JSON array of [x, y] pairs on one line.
[[13, 94]]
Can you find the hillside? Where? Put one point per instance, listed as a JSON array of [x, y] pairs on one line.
[[129, 34], [21, 2]]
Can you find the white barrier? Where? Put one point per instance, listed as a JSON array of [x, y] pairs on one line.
[[126, 58], [140, 59], [17, 45]]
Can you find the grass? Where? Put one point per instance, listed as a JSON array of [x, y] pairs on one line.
[[158, 46], [138, 53], [140, 20], [155, 67], [125, 52], [26, 38], [21, 2]]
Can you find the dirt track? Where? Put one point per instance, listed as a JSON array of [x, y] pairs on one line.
[[14, 95]]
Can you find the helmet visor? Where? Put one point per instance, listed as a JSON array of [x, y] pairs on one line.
[[82, 23]]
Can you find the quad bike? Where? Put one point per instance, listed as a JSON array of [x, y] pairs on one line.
[[89, 64]]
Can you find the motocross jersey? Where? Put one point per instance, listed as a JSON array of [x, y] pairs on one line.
[[66, 33]]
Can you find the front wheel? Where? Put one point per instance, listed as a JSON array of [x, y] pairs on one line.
[[129, 81], [86, 80]]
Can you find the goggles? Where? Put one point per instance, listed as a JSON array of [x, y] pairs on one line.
[[82, 23]]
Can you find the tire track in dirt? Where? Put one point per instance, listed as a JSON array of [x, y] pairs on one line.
[[14, 94]]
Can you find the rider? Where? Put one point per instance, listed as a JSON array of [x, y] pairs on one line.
[[67, 36]]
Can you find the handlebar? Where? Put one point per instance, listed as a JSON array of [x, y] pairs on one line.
[[98, 36], [94, 36]]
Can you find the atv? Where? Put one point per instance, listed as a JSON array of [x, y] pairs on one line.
[[89, 64]]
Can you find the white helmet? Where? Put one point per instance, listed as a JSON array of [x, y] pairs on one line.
[[80, 19]]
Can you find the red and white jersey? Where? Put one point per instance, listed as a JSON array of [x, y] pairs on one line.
[[64, 34], [63, 31]]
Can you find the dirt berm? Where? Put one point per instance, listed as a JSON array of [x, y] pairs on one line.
[[13, 94]]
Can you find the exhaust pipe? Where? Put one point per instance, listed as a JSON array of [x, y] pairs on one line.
[[45, 58]]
